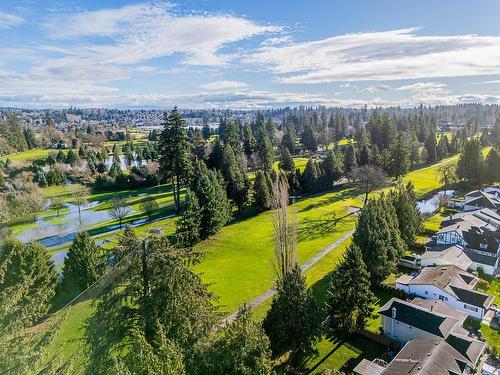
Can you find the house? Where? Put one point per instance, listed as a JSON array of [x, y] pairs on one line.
[[366, 367], [486, 198], [446, 255], [477, 233], [449, 284], [455, 355], [403, 321]]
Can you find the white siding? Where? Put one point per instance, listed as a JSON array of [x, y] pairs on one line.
[[402, 332]]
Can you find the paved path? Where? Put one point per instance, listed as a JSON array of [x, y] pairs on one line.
[[269, 293]]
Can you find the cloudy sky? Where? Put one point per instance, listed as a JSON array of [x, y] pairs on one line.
[[248, 54]]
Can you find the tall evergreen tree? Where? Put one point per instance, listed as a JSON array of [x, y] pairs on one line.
[[216, 155], [27, 284], [492, 166], [212, 198], [442, 147], [188, 224], [470, 166], [399, 163], [331, 169], [262, 194], [83, 264], [404, 201], [349, 294], [249, 143], [309, 138], [174, 149], [293, 322], [264, 149], [310, 177], [430, 146], [288, 140], [377, 235], [349, 158], [237, 183], [286, 163]]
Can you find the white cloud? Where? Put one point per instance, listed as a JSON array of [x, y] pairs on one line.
[[372, 89], [486, 82], [425, 87], [222, 85], [8, 20], [386, 55], [137, 33]]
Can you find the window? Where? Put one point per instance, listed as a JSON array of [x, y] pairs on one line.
[[426, 292], [472, 308], [443, 298]]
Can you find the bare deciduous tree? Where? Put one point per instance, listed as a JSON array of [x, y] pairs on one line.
[[367, 178], [80, 197], [285, 229], [119, 210]]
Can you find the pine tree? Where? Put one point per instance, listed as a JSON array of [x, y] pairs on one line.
[[310, 177], [216, 155], [232, 137], [265, 149], [239, 348], [71, 158], [399, 164], [349, 158], [309, 138], [83, 264], [27, 285], [470, 166], [364, 155], [430, 146], [174, 149], [249, 142], [288, 140], [29, 136], [404, 201], [492, 166], [236, 180], [115, 169], [378, 237], [442, 147], [294, 319], [485, 138], [212, 198], [262, 194], [286, 163], [349, 294], [188, 224], [127, 242], [331, 170]]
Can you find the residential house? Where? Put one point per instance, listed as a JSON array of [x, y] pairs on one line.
[[449, 284], [455, 355], [486, 198], [446, 255], [477, 233], [403, 321]]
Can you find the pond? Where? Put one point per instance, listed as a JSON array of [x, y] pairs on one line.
[[429, 206], [124, 163]]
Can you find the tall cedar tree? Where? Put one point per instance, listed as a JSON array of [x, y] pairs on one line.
[[83, 264], [188, 224], [378, 237], [310, 177], [309, 138], [349, 158], [237, 183], [232, 137], [331, 169], [161, 305], [264, 148], [404, 201], [239, 348], [400, 156], [286, 163], [430, 146], [215, 157], [492, 166], [470, 166], [27, 285], [261, 193], [294, 320], [442, 147], [174, 149], [349, 294], [212, 198], [127, 242], [249, 142], [288, 140]]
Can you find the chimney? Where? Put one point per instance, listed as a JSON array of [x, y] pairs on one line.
[[432, 306], [393, 313]]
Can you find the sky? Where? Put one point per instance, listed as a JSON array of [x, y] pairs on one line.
[[248, 54]]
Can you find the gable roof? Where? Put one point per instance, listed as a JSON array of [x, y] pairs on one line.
[[428, 357], [420, 317], [452, 255], [467, 346], [472, 297]]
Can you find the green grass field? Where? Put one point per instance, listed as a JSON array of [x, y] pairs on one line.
[[35, 154]]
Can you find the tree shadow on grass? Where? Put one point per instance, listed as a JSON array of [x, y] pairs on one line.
[[311, 229], [321, 201]]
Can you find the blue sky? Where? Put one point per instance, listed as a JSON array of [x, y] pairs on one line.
[[248, 54]]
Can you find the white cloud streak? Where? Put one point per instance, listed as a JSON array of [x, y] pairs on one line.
[[388, 55], [223, 85], [8, 20]]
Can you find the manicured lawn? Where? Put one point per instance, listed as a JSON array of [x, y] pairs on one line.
[[28, 155], [492, 336], [433, 222], [238, 260], [374, 322]]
